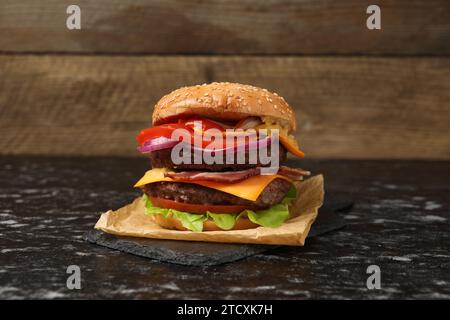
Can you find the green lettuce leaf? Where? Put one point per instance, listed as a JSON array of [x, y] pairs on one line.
[[150, 209], [272, 217], [193, 222], [223, 221], [290, 196]]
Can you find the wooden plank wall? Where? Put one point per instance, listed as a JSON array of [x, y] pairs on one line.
[[357, 93], [310, 27]]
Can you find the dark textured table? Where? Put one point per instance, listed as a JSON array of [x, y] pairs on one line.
[[400, 222]]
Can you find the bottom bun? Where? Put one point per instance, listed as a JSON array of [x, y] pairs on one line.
[[208, 225]]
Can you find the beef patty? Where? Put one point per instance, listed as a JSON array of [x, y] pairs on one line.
[[162, 159], [197, 194]]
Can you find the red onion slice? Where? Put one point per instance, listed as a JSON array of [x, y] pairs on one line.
[[156, 144], [165, 143]]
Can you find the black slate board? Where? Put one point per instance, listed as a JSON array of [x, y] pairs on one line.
[[194, 253]]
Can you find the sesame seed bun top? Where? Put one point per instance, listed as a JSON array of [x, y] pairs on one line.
[[223, 101]]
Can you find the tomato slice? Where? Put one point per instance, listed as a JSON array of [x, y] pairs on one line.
[[164, 130], [197, 208], [205, 123]]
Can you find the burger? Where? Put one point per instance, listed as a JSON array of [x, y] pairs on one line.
[[208, 148]]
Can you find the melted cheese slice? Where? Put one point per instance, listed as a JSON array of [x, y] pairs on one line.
[[249, 189]]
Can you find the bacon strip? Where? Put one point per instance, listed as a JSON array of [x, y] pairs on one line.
[[293, 173], [233, 176], [229, 176]]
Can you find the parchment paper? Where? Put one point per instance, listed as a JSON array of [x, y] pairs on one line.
[[131, 220]]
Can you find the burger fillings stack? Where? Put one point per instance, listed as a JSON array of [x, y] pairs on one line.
[[199, 196]]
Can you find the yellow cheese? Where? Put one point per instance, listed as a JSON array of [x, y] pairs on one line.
[[249, 189], [153, 175]]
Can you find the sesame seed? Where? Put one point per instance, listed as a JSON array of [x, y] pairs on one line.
[[275, 106]]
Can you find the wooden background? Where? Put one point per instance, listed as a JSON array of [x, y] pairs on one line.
[[358, 93]]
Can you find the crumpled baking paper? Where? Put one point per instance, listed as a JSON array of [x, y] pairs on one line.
[[131, 220]]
